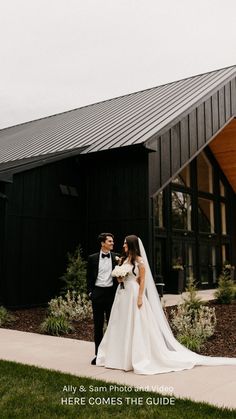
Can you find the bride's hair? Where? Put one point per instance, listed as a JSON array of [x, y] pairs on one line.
[[133, 250]]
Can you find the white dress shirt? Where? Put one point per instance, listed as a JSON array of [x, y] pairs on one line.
[[104, 278]]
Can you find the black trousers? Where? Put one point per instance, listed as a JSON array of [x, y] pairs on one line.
[[102, 300]]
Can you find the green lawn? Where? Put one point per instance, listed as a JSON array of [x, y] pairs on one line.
[[31, 392]]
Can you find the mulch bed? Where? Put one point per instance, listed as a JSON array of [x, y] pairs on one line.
[[222, 343]]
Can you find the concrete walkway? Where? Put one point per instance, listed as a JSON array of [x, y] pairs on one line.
[[215, 385], [173, 299]]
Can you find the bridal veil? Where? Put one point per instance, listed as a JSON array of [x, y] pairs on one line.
[[180, 353]]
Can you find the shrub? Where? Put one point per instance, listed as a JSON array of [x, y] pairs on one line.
[[193, 326], [73, 306], [5, 317], [74, 279], [192, 301], [64, 310], [193, 321], [191, 342], [225, 292], [56, 325]]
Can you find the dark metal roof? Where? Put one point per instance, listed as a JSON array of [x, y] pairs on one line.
[[7, 169], [123, 121]]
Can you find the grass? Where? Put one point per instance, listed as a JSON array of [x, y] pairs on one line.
[[32, 392]]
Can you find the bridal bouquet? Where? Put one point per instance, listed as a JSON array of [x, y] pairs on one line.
[[121, 271]]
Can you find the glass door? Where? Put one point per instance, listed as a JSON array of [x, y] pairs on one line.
[[183, 253], [160, 271], [207, 264]]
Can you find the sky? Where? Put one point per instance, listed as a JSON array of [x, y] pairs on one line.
[[58, 55]]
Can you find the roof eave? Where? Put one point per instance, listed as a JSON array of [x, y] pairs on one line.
[[8, 169]]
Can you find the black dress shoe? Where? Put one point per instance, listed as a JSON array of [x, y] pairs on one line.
[[93, 362]]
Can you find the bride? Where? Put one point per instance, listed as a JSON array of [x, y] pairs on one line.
[[138, 336]]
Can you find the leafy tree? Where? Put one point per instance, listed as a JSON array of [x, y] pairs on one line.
[[74, 279], [225, 292], [192, 301]]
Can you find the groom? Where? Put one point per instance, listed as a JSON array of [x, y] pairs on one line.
[[101, 285]]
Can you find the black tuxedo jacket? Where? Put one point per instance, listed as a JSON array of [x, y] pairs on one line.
[[92, 270]]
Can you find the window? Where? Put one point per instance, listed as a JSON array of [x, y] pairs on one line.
[[73, 191], [69, 190], [160, 257], [204, 174], [223, 218], [189, 261], [213, 262], [206, 215], [192, 223], [158, 210], [181, 210], [177, 253], [64, 190], [225, 253], [183, 177], [222, 189], [207, 263], [203, 263], [223, 249]]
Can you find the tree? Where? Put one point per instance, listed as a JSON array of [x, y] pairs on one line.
[[74, 279]]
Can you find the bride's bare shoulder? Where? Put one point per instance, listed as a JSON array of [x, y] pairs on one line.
[[139, 260]]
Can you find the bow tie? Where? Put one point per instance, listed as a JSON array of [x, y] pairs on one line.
[[105, 255]]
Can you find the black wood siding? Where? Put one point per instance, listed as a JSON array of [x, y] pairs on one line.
[[3, 204], [41, 226], [115, 195]]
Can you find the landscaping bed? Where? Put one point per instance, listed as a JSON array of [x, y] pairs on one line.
[[222, 343]]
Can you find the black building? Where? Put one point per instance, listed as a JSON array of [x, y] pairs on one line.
[[160, 163]]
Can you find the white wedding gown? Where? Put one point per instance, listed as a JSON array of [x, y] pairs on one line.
[[140, 339]]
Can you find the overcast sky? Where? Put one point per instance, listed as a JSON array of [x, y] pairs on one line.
[[58, 55]]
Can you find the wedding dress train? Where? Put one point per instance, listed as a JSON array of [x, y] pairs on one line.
[[140, 339]]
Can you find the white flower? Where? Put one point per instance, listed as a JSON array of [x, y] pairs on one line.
[[121, 271], [118, 260]]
